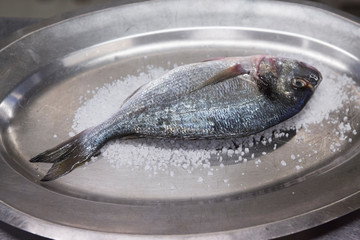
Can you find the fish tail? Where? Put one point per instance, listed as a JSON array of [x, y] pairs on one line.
[[71, 153]]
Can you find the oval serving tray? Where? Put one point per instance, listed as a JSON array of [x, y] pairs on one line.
[[44, 71]]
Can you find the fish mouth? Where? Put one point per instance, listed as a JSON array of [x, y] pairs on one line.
[[312, 88], [314, 75], [319, 78]]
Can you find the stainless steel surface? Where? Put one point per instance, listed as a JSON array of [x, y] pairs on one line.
[[41, 84]]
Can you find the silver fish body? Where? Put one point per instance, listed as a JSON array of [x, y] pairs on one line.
[[169, 106], [229, 97]]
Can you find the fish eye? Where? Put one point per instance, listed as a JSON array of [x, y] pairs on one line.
[[299, 83]]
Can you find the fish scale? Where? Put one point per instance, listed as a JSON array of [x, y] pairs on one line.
[[228, 97], [181, 81]]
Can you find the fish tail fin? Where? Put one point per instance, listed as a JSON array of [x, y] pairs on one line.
[[69, 154]]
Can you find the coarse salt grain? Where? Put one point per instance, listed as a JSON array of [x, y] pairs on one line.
[[298, 167]]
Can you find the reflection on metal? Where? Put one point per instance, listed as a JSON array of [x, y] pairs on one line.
[[40, 93]]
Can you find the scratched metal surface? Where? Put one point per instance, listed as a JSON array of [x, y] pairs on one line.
[[127, 204]]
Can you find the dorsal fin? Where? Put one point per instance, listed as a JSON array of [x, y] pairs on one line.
[[223, 75]]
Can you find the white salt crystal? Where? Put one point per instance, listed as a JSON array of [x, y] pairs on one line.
[[230, 152], [71, 134], [200, 180], [344, 127], [292, 156], [332, 148], [283, 163], [55, 136], [298, 167]]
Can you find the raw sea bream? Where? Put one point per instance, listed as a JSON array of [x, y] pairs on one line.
[[216, 99], [334, 104]]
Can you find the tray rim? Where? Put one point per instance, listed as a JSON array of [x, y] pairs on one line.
[[58, 19], [57, 231]]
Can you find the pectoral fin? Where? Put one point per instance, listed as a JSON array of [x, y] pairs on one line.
[[223, 75]]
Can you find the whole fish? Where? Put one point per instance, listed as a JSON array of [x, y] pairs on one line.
[[214, 99]]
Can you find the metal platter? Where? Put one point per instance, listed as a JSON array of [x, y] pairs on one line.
[[45, 69]]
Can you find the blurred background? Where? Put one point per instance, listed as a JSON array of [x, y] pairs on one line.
[[48, 8]]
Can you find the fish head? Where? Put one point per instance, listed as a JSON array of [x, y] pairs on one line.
[[287, 78]]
